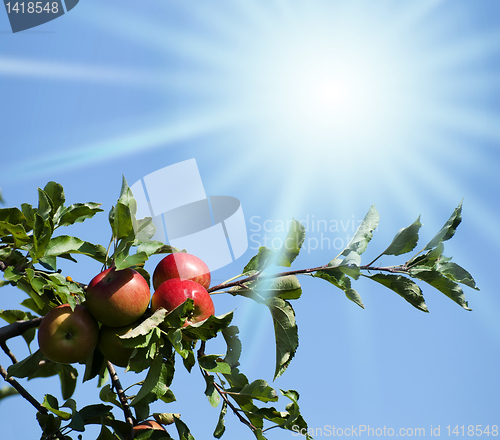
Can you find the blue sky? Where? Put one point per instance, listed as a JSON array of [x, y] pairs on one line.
[[307, 109]]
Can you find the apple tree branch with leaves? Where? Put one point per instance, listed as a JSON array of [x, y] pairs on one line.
[[32, 243]]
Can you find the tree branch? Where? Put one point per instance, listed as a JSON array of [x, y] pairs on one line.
[[24, 393], [242, 282], [115, 380], [18, 328]]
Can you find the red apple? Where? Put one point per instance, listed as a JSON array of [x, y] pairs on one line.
[[172, 293], [118, 297], [111, 345], [149, 424], [183, 266], [67, 336]]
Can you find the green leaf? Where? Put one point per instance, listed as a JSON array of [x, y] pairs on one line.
[[2, 201], [29, 215], [220, 428], [106, 434], [122, 215], [183, 430], [127, 198], [95, 411], [284, 287], [260, 261], [26, 286], [180, 345], [236, 379], [294, 419], [68, 376], [120, 221], [176, 318], [405, 240], [45, 207], [27, 366], [12, 316], [77, 213], [13, 216], [336, 277], [350, 265], [258, 434], [48, 422], [233, 343], [46, 369], [55, 192], [145, 229], [208, 328], [211, 392], [292, 244], [49, 263], [66, 244], [155, 381], [7, 392], [449, 228], [426, 261], [17, 231], [42, 232], [455, 273], [123, 260], [31, 304], [214, 364], [77, 421], [404, 287], [165, 418], [147, 326], [286, 333], [50, 403], [364, 233], [260, 390], [108, 395], [156, 247], [95, 365], [451, 289]]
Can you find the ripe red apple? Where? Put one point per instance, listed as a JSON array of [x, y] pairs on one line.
[[118, 297], [66, 336], [172, 293], [148, 424], [111, 345], [183, 266]]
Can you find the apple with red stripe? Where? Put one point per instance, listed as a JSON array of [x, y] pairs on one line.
[[184, 266], [181, 276]]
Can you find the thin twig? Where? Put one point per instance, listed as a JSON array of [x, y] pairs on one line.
[[7, 351], [223, 393], [224, 396]]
